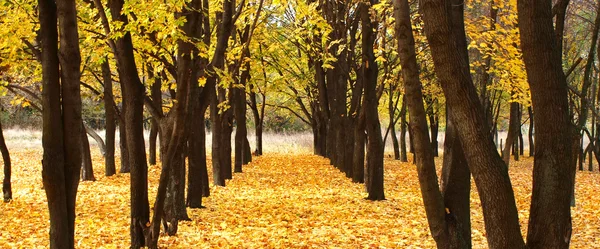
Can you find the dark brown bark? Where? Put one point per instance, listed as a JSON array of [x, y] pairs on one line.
[[513, 125], [553, 170], [156, 95], [456, 189], [6, 184], [530, 133], [133, 109], [123, 145], [87, 169], [61, 136], [447, 212], [403, 156], [197, 173], [373, 128], [111, 118], [444, 29]]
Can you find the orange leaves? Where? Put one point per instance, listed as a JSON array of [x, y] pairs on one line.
[[280, 201]]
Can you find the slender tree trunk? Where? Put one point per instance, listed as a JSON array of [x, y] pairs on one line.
[[434, 125], [156, 95], [553, 170], [123, 144], [133, 109], [358, 160], [530, 133], [403, 156], [111, 119], [6, 185], [513, 124], [87, 169], [215, 118], [373, 128]]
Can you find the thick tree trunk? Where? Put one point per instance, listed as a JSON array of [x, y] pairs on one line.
[[373, 128], [87, 169], [133, 109], [61, 134], [6, 185], [111, 119], [444, 28], [447, 212], [197, 174], [553, 171], [456, 189]]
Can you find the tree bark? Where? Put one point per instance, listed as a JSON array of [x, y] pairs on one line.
[[373, 128], [197, 173], [61, 135], [111, 119], [444, 28], [513, 125], [156, 94], [6, 185], [447, 212], [403, 156], [133, 109], [553, 170], [87, 169], [530, 133]]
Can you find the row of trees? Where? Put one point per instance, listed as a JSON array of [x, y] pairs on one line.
[[330, 64]]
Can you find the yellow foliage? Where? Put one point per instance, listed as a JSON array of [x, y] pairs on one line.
[[280, 201]]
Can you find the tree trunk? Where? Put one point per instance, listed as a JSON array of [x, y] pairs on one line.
[[87, 172], [123, 144], [6, 186], [373, 128], [133, 107], [403, 156], [434, 125], [456, 189], [61, 134], [358, 160], [513, 125], [444, 28], [215, 118], [156, 95], [447, 213], [197, 174], [530, 133], [111, 119], [553, 170]]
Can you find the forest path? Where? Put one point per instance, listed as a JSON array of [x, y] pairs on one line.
[[289, 200], [283, 201]]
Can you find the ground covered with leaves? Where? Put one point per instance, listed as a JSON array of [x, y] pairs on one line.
[[292, 200]]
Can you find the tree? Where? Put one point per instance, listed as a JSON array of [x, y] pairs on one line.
[[445, 32], [133, 104], [61, 117], [6, 185], [372, 126], [553, 172]]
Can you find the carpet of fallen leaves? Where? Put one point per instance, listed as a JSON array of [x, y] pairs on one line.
[[280, 201]]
